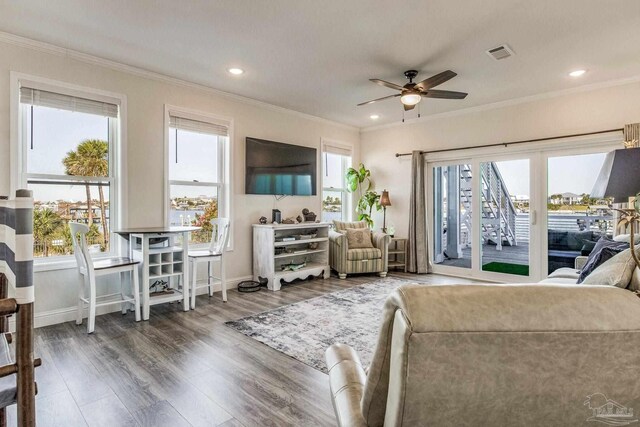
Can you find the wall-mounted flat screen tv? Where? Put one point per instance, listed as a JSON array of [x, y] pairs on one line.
[[280, 169]]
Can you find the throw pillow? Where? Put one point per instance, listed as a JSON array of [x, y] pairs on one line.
[[634, 284], [603, 255], [359, 238], [627, 238], [575, 239], [593, 261], [617, 271], [340, 226]]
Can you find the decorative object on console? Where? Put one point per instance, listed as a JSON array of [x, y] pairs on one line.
[[384, 202], [263, 220], [308, 215], [288, 221], [619, 179], [299, 219], [276, 216]]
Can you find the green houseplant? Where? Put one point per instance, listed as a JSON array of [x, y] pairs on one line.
[[359, 180]]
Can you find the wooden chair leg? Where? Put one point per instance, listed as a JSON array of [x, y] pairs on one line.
[[80, 303], [194, 270], [123, 294], [136, 292], [91, 321], [223, 280], [209, 278]]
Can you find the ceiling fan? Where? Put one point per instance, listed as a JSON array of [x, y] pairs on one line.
[[411, 93]]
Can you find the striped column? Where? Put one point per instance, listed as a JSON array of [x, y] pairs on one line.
[[16, 244]]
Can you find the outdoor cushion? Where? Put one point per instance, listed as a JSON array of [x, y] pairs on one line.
[[342, 225], [557, 239], [615, 272], [8, 389], [363, 253], [575, 239], [359, 238]]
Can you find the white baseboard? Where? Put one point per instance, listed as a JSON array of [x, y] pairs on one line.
[[68, 314]]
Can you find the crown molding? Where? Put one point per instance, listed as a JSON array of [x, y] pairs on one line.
[[141, 72], [508, 103]]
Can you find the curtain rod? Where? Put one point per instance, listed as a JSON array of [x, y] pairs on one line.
[[506, 144]]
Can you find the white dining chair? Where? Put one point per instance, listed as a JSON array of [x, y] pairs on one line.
[[215, 253], [90, 270]]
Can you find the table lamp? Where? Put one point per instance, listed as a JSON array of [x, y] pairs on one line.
[[619, 179], [384, 202]]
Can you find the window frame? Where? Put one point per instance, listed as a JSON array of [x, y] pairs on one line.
[[19, 175], [347, 162], [225, 153]]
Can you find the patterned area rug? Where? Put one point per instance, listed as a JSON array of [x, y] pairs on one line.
[[305, 329]]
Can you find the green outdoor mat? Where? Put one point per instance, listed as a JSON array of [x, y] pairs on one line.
[[505, 267]]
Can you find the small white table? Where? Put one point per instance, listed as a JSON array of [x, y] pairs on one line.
[[161, 261]]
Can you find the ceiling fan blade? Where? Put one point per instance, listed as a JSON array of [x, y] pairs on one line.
[[408, 107], [444, 94], [436, 80], [379, 99], [387, 84]]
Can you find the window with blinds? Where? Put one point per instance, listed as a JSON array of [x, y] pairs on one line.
[[335, 198], [196, 172], [67, 145]]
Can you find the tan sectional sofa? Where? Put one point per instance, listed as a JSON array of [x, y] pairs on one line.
[[494, 355]]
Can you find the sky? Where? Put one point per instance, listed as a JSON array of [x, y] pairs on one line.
[[573, 174], [56, 132]]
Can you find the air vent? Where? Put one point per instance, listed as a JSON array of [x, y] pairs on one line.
[[500, 52]]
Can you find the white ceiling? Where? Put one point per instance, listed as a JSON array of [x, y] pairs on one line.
[[317, 56]]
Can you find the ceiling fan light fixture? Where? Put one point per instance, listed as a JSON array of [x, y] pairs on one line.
[[410, 98]]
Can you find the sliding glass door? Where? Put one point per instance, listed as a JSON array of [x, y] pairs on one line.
[[517, 217], [453, 206], [505, 197], [575, 220]]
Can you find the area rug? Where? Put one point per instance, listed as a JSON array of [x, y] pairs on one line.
[[305, 329]]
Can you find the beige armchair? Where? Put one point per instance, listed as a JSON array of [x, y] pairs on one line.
[[348, 261], [493, 355]]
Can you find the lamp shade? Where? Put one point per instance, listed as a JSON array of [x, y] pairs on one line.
[[620, 175], [384, 198]]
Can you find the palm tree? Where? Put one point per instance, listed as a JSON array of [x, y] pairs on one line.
[[46, 223], [91, 158]]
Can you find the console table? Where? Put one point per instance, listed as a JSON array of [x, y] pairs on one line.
[[279, 250], [162, 256]]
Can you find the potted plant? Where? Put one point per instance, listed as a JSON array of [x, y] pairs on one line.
[[359, 180]]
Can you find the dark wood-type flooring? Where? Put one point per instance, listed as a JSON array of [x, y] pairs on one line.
[[182, 369]]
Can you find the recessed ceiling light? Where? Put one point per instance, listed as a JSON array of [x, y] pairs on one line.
[[236, 71], [577, 73], [374, 117]]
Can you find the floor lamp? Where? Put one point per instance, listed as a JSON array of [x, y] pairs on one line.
[[384, 202], [619, 179]]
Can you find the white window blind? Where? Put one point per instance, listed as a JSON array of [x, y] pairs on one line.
[[333, 149], [43, 98], [197, 126]]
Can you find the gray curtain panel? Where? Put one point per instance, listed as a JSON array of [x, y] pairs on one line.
[[418, 255]]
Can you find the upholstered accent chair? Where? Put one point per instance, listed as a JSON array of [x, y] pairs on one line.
[[345, 260], [493, 355]]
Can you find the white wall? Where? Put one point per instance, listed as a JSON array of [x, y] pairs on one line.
[[146, 97], [579, 112]]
